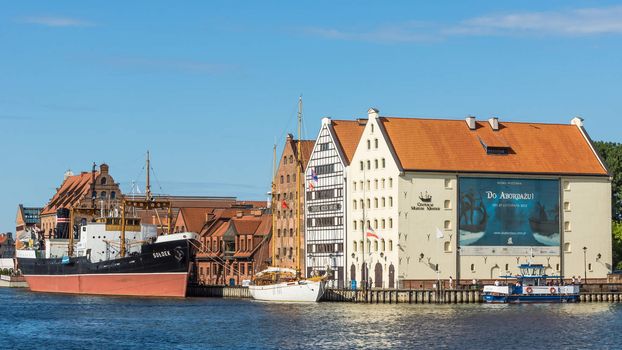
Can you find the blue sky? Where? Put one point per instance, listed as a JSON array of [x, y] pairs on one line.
[[208, 86]]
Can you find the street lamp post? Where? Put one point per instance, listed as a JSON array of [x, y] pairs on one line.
[[585, 264]]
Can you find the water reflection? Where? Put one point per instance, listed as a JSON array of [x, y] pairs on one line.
[[54, 321]]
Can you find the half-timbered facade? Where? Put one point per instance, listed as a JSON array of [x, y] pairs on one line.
[[325, 199]]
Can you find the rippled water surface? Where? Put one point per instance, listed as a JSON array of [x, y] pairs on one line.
[[34, 321]]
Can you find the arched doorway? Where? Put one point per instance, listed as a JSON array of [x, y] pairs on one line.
[[352, 273], [494, 272], [391, 276], [378, 275]]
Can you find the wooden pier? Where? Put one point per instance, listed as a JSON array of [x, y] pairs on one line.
[[395, 296]]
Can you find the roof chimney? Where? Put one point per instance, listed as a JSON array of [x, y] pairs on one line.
[[578, 121], [494, 123], [372, 113], [470, 120]]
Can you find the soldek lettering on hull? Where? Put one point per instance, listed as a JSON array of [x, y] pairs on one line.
[[160, 269]]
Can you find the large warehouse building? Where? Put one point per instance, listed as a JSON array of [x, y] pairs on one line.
[[431, 199]]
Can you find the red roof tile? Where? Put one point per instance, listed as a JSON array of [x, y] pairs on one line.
[[449, 145], [70, 192], [347, 134]]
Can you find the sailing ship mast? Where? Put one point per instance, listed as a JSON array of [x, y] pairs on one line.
[[298, 181], [273, 204], [148, 203]]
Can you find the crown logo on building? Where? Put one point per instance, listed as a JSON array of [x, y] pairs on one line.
[[425, 198]]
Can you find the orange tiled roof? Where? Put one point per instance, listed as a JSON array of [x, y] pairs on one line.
[[195, 218], [70, 192], [306, 147], [348, 133], [449, 145]]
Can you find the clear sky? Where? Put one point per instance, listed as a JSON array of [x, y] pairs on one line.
[[207, 86]]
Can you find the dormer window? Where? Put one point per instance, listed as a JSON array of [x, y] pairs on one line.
[[495, 146]]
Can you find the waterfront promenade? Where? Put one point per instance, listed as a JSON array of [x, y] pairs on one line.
[[590, 293]]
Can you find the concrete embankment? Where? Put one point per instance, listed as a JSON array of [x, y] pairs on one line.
[[394, 296]]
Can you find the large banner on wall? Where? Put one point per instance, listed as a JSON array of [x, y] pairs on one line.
[[508, 216]]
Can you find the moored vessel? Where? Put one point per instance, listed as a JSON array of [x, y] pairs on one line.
[[285, 284], [532, 286], [114, 255]]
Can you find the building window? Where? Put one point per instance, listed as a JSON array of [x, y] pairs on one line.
[[113, 195], [354, 204], [567, 226], [383, 223], [507, 267], [368, 203], [354, 245], [102, 195], [376, 143], [447, 204], [376, 247], [447, 247], [567, 247], [375, 163], [375, 184], [291, 232], [390, 223], [390, 245], [384, 202], [375, 202], [383, 184], [324, 146], [281, 178], [291, 159], [361, 165], [376, 224], [557, 267], [354, 185], [390, 182], [368, 185], [372, 128], [566, 206], [354, 225], [566, 185], [447, 224], [589, 267], [369, 165], [384, 163], [362, 206], [391, 202], [473, 267], [287, 178], [278, 232], [448, 183], [368, 144], [103, 181]]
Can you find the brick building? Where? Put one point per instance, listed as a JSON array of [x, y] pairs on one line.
[[285, 198], [236, 245], [91, 194]]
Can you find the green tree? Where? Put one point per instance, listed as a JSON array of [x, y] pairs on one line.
[[616, 231], [611, 153]]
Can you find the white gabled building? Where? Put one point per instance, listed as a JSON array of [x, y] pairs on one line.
[[325, 198], [431, 199]]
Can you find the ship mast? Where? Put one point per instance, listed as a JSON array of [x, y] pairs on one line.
[[273, 204], [148, 186], [298, 181]]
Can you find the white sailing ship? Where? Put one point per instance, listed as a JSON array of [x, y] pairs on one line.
[[284, 284]]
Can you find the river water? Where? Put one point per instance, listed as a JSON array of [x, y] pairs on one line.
[[36, 321]]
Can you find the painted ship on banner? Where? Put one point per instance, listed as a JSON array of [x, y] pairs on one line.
[[115, 255]]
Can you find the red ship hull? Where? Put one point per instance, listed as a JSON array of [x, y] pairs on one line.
[[164, 284]]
